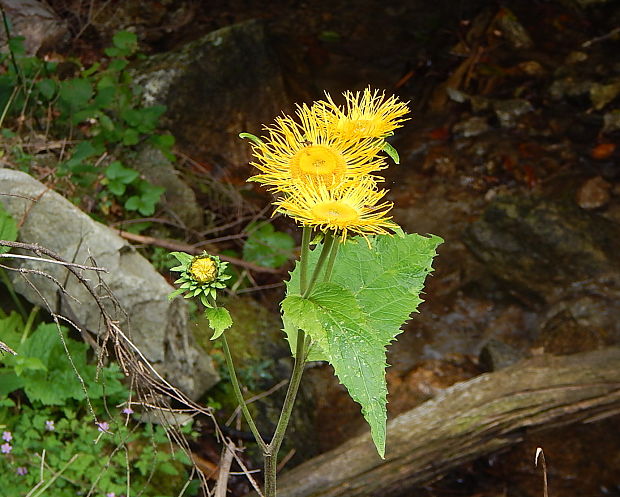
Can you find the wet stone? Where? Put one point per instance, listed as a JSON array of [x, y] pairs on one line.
[[611, 121], [602, 94], [569, 87], [508, 111], [594, 193], [473, 126], [514, 32], [539, 247], [496, 355]]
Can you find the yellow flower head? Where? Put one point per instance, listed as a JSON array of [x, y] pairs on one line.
[[299, 154], [204, 269], [347, 208], [365, 115]]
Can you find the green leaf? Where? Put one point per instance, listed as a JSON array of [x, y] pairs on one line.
[[251, 137], [371, 294], [219, 319], [391, 151], [182, 257], [74, 94], [124, 175], [335, 321], [117, 65], [8, 228], [267, 247], [130, 137], [125, 40], [47, 88]]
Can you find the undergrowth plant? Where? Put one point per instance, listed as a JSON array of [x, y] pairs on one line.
[[64, 438], [84, 116], [67, 425], [359, 276]]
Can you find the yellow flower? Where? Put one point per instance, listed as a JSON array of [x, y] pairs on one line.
[[365, 115], [347, 208], [297, 154], [203, 269]]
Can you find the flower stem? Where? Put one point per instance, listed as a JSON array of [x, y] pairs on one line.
[[328, 242], [271, 454], [303, 259], [332, 259], [244, 408]]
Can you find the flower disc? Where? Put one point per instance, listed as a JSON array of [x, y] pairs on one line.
[[318, 162], [335, 213]]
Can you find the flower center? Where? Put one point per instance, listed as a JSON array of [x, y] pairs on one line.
[[337, 213], [360, 127], [203, 270], [318, 161]]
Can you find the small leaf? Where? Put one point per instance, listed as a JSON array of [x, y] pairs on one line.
[[182, 257], [391, 151], [219, 319], [252, 137], [47, 88]]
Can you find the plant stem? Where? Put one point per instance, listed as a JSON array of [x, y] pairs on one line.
[[327, 246], [303, 259], [332, 259], [244, 408], [271, 456]]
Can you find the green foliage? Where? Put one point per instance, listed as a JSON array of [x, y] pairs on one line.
[[392, 152], [43, 370], [219, 319], [267, 247], [80, 454], [86, 457], [351, 319], [8, 228], [100, 107]]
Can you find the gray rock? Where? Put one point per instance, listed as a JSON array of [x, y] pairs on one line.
[[179, 199], [611, 121], [227, 82], [570, 87], [508, 111], [473, 126], [514, 32], [36, 22], [541, 247], [159, 327], [496, 355]]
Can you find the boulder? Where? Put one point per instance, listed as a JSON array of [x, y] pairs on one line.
[[36, 22], [156, 325], [541, 247], [224, 83]]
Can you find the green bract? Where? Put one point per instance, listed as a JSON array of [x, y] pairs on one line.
[[202, 276], [192, 281]]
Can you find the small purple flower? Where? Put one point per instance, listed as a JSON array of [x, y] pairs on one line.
[[7, 436], [49, 425], [22, 470], [103, 426], [127, 410], [6, 448], [110, 494]]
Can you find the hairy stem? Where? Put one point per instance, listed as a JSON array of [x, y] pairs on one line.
[[332, 258], [244, 408], [328, 242], [303, 259], [271, 454]]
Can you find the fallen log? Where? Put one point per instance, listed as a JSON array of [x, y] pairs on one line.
[[466, 421]]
